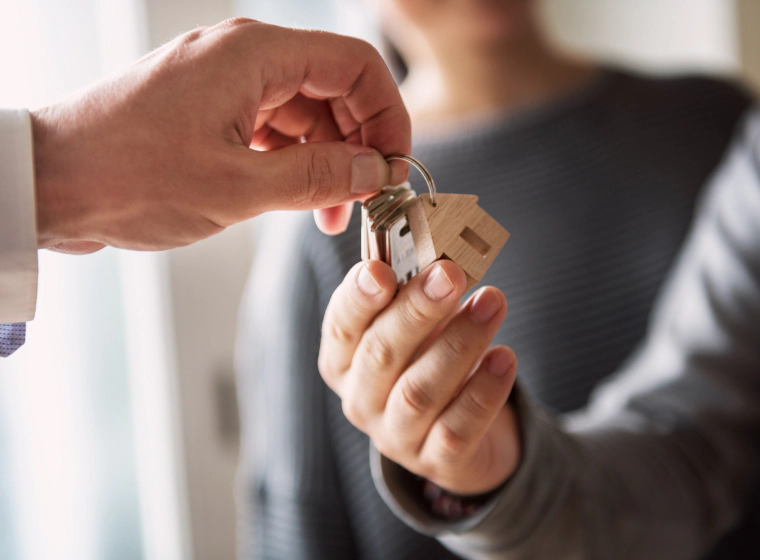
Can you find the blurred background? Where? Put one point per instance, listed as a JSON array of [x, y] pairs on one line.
[[118, 419]]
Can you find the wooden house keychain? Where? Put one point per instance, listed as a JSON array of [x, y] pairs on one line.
[[409, 232]]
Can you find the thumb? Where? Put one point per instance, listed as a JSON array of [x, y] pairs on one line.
[[316, 175]]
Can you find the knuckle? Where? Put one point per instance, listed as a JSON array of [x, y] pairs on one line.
[[450, 444], [415, 397], [366, 50], [330, 374], [236, 22], [360, 45], [324, 367], [182, 46], [378, 352], [477, 405], [353, 412], [191, 36], [389, 446], [412, 315], [454, 346], [340, 334], [179, 50], [319, 179]]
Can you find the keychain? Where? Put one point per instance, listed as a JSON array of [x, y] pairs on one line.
[[409, 232]]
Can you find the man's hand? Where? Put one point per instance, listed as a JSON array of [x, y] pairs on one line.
[[416, 375], [160, 156]]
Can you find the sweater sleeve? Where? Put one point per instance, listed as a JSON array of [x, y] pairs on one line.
[[289, 497], [665, 458]]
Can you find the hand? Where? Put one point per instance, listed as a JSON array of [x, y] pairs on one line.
[[416, 375], [160, 155]]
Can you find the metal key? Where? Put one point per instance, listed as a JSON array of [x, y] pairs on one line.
[[385, 231], [386, 235]]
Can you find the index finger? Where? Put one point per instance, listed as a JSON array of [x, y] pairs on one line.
[[329, 66], [365, 291]]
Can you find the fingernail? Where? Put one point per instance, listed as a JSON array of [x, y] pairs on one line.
[[499, 363], [369, 173], [367, 283], [438, 285], [485, 306]]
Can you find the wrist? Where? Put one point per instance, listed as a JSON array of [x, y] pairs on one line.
[[491, 465], [60, 212], [455, 505], [43, 129], [451, 506]]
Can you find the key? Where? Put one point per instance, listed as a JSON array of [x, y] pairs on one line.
[[409, 232], [386, 235]]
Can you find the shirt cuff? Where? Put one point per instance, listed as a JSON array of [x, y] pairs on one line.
[[512, 515], [18, 228]]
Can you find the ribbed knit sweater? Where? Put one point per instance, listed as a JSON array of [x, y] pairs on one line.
[[597, 189]]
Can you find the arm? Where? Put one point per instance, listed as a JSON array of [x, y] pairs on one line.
[[664, 459], [200, 134], [160, 155], [290, 501], [18, 235]]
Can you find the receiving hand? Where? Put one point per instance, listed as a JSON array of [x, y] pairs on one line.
[[160, 155], [416, 375]]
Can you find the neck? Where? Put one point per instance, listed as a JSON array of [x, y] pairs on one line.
[[456, 82]]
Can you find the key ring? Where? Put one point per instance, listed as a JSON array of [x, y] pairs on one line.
[[421, 168]]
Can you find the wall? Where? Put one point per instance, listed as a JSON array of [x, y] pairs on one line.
[[656, 35], [748, 12], [206, 282]]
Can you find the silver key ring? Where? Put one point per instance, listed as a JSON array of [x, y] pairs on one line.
[[421, 168]]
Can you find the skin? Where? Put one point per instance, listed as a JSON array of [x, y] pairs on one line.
[[469, 57], [161, 155], [416, 373]]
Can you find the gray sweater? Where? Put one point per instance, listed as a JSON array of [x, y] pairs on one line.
[[598, 189]]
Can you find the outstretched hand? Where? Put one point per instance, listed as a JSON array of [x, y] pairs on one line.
[[416, 374], [160, 155]]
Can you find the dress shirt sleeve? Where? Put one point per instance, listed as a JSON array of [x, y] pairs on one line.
[[18, 230], [664, 460]]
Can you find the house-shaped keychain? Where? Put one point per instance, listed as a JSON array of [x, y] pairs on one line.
[[442, 226], [454, 227]]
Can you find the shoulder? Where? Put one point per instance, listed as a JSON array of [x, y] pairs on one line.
[[688, 101], [682, 122], [685, 89]]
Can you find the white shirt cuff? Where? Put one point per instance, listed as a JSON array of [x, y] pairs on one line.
[[18, 228]]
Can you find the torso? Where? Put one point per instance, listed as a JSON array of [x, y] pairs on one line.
[[597, 190]]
